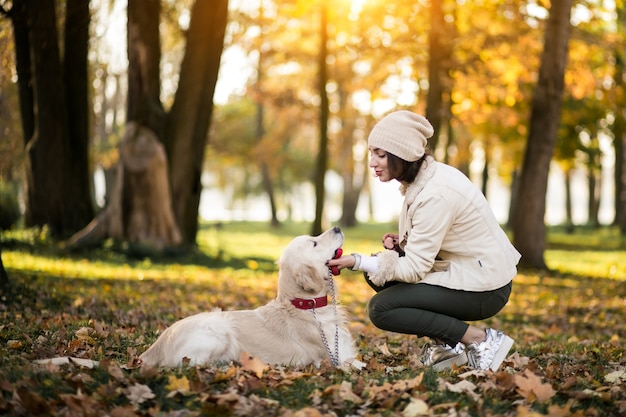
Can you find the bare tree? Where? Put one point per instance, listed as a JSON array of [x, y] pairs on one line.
[[528, 223]]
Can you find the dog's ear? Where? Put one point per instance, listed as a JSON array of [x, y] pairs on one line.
[[308, 279]]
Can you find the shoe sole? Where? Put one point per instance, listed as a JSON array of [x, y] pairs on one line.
[[500, 356], [457, 360]]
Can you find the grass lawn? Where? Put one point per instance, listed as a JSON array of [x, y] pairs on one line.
[[110, 303]]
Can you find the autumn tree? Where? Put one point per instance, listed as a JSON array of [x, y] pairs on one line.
[[528, 223]]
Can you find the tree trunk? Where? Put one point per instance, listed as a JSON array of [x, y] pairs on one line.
[[594, 181], [48, 150], [189, 119], [322, 156], [76, 83], [268, 185], [144, 58], [19, 19], [139, 208], [619, 126], [529, 226], [569, 221], [438, 52], [54, 109]]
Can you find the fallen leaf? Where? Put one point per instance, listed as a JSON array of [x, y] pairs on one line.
[[342, 393], [14, 344], [83, 334], [463, 387], [530, 387], [225, 375], [177, 385], [616, 376], [416, 407], [384, 349], [139, 393], [519, 362], [252, 364]]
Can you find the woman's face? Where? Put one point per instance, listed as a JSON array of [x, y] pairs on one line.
[[378, 162]]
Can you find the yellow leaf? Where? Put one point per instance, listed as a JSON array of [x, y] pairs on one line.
[[177, 385], [14, 344], [223, 376], [252, 364]]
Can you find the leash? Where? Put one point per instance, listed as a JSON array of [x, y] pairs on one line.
[[334, 358]]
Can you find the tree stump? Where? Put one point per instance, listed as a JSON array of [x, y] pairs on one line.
[[140, 206]]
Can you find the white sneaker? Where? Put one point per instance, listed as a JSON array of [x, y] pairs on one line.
[[491, 353], [443, 356]]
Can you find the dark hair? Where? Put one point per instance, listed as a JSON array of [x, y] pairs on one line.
[[405, 171]]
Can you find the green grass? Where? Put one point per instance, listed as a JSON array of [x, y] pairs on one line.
[[109, 304]]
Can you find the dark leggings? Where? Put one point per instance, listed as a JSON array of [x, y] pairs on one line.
[[431, 310]]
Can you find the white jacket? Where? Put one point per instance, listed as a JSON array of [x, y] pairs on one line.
[[449, 234]]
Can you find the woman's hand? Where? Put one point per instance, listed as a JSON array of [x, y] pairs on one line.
[[342, 262], [390, 240]]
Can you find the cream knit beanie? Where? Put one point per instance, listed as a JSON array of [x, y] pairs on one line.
[[403, 134]]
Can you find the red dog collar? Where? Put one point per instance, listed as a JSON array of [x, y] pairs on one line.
[[310, 303]]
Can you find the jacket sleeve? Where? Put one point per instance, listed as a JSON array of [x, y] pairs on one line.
[[387, 261]]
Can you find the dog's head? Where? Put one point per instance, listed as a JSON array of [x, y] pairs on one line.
[[303, 270]]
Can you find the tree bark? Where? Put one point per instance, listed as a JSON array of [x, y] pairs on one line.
[[438, 52], [55, 128], [322, 156], [144, 59], [619, 126], [529, 226], [139, 209], [19, 18], [188, 121], [48, 148], [76, 83]]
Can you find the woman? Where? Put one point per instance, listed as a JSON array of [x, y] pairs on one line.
[[450, 262]]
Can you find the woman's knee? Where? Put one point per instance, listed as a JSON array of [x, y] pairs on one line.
[[377, 311]]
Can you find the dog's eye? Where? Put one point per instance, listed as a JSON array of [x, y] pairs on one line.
[[314, 243]]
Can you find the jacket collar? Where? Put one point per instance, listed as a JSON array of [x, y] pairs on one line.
[[426, 172]]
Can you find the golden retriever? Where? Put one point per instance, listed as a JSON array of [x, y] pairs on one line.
[[299, 327]]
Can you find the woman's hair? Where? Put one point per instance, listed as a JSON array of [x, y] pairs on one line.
[[405, 171]]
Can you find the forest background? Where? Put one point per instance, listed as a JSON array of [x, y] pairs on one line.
[[513, 89]]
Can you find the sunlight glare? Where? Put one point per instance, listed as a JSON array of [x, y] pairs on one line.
[[355, 9]]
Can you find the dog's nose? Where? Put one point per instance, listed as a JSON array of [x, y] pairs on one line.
[[337, 229]]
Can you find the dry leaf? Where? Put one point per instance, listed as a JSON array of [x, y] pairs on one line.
[[384, 349], [177, 385], [415, 407], [139, 393], [616, 376], [463, 386], [14, 344], [252, 364], [531, 387]]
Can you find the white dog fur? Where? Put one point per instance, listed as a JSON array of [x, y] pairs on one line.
[[276, 333]]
